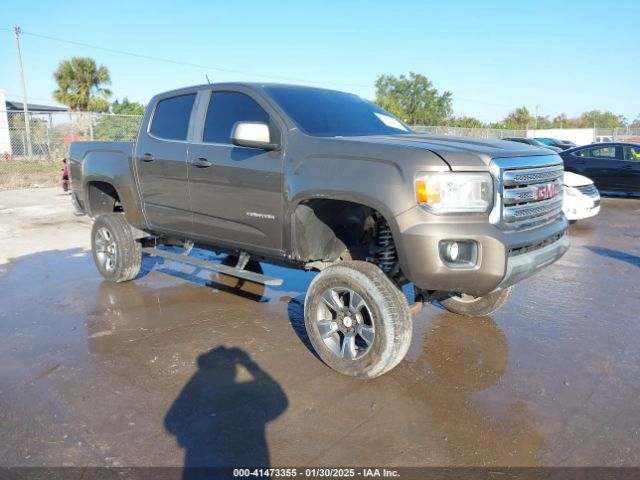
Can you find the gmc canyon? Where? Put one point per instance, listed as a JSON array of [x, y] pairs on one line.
[[323, 180]]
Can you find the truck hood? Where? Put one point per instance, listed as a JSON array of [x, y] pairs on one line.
[[460, 153]]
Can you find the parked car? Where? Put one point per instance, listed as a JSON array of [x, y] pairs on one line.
[[322, 180], [570, 143], [581, 197], [553, 142], [613, 167], [533, 142]]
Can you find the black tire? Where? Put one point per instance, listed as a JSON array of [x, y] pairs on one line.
[[477, 306], [126, 256], [385, 313]]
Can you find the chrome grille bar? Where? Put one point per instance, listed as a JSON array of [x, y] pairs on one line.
[[531, 175], [531, 210], [526, 194], [527, 197]]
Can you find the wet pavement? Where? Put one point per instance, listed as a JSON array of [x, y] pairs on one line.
[[180, 368]]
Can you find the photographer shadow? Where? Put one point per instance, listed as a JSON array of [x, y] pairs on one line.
[[220, 416]]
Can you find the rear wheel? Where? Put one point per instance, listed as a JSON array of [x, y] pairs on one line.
[[117, 255], [471, 306], [358, 321]]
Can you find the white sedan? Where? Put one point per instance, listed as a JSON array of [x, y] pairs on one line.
[[581, 197]]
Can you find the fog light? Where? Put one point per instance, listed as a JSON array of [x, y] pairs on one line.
[[459, 253], [452, 251]]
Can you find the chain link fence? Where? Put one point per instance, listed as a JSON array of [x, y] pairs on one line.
[[494, 133], [624, 134], [34, 158], [37, 159]]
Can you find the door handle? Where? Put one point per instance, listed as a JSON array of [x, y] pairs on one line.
[[147, 157], [201, 163], [627, 167]]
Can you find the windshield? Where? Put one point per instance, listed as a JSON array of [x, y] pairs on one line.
[[326, 113]]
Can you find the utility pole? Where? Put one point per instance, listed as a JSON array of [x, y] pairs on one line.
[[536, 124], [27, 123]]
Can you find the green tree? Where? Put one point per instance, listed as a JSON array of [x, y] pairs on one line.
[[122, 125], [81, 85], [127, 107], [599, 119], [116, 128], [465, 122], [413, 99], [636, 123], [520, 118], [541, 122], [562, 121]]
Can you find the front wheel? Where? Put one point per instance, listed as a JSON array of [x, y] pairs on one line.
[[471, 306], [118, 256], [358, 321]]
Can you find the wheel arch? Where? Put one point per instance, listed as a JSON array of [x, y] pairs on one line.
[[111, 172], [299, 215]]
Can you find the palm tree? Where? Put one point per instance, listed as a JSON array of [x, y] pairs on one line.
[[80, 85]]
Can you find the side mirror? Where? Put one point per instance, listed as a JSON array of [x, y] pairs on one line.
[[252, 135]]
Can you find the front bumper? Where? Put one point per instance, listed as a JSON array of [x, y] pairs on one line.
[[504, 258], [580, 207], [523, 265]]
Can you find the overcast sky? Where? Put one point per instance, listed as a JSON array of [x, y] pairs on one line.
[[563, 56]]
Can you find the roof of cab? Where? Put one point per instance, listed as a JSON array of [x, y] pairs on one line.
[[251, 85]]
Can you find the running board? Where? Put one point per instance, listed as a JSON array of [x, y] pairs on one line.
[[216, 267]]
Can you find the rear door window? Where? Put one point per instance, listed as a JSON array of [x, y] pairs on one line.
[[225, 110], [171, 117], [603, 152], [597, 152]]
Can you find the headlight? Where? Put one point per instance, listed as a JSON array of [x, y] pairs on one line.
[[571, 192], [454, 192]]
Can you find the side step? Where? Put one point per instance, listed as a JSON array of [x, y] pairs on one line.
[[216, 267]]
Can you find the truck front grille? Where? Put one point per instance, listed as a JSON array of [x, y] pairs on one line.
[[527, 197]]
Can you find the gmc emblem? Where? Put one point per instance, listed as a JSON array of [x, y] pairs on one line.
[[545, 191]]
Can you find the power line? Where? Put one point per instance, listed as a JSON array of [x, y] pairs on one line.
[[184, 64], [208, 67]]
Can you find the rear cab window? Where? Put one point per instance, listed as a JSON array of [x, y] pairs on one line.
[[171, 117]]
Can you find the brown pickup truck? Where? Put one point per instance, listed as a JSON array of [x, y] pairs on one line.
[[323, 180]]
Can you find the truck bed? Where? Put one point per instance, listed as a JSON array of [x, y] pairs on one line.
[[78, 150]]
